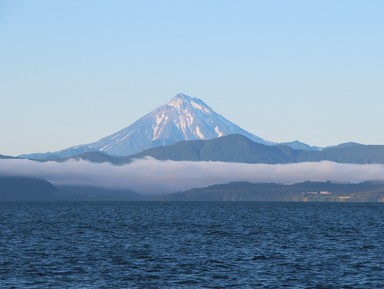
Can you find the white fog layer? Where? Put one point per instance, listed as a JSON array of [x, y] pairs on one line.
[[151, 176]]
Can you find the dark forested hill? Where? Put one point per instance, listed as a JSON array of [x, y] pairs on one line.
[[306, 191]]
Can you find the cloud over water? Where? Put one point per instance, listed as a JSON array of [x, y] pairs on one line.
[[151, 176]]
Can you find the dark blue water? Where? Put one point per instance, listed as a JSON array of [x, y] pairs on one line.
[[191, 245]]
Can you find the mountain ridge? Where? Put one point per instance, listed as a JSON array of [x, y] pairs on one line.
[[237, 148]]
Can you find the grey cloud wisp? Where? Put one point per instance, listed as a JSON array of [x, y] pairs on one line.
[[151, 176]]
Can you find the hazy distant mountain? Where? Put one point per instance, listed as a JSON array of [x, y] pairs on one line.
[[183, 118], [33, 189], [103, 194], [346, 153], [98, 157], [298, 145], [3, 157], [67, 153]]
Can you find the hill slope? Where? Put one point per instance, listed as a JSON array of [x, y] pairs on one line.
[[231, 148]]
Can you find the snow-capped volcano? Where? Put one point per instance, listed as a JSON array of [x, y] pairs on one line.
[[182, 118]]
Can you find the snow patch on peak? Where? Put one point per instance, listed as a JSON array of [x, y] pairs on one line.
[[175, 103], [189, 118], [219, 133], [123, 138], [198, 133], [160, 123], [105, 147], [183, 127], [199, 107]]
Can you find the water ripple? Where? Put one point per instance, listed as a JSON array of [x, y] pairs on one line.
[[191, 245]]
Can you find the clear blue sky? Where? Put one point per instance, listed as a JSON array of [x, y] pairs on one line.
[[72, 71]]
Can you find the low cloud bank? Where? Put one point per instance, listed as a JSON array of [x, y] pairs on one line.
[[151, 176]]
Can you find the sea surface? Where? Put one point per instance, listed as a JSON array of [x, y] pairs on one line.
[[191, 245]]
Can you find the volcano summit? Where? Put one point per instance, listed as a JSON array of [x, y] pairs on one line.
[[183, 118]]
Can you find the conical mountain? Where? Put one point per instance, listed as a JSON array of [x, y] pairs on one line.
[[182, 118]]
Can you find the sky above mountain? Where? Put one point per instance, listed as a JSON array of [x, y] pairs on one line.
[[72, 72]]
